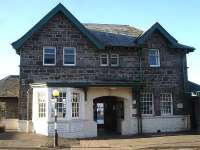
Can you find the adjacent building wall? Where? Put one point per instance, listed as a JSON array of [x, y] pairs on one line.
[[10, 120]]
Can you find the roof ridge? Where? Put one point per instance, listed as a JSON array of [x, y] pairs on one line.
[[107, 24]]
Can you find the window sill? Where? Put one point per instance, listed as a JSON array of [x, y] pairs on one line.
[[69, 65], [154, 66], [147, 115], [114, 65], [49, 64], [104, 65]]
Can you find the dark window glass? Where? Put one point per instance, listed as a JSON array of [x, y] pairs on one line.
[[49, 56], [114, 60], [69, 56], [104, 60]]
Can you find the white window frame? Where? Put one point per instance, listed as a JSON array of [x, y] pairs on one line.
[[79, 105], [46, 47], [41, 97], [151, 102], [114, 56], [64, 104], [171, 105], [65, 54], [157, 56], [103, 65]]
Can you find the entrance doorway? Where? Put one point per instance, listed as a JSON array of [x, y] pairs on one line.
[[108, 113]]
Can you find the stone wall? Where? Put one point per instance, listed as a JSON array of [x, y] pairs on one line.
[[11, 106], [169, 77], [59, 32]]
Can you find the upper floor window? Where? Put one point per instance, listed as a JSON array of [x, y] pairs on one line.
[[166, 103], [104, 60], [49, 56], [154, 58], [69, 56], [146, 103], [114, 60]]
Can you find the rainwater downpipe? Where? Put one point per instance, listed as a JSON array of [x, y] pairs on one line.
[[138, 94], [28, 99]]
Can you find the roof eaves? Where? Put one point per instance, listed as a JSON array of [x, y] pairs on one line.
[[181, 46], [17, 44]]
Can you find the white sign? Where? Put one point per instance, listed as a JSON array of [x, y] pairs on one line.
[[179, 105]]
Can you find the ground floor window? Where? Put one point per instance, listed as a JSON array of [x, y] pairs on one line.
[[60, 105], [146, 103], [69, 104], [166, 103], [75, 105], [41, 105]]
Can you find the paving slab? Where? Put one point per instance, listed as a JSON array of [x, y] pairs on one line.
[[15, 140]]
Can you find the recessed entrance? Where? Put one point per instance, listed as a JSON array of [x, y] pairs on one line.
[[108, 113]]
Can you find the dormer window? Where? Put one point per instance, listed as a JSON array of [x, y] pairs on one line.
[[154, 57], [49, 56]]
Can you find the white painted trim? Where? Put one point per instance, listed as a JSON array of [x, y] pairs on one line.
[[114, 65], [81, 103], [104, 65], [147, 115], [45, 47], [64, 56], [171, 114], [158, 65]]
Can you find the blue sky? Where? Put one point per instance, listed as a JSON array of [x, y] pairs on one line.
[[179, 17]]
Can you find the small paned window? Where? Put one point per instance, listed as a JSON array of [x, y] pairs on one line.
[[166, 103], [49, 56], [69, 56], [114, 60], [60, 105], [154, 58], [75, 105], [146, 103], [41, 105], [104, 60]]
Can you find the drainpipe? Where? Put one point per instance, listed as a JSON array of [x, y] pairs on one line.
[[185, 84], [28, 99], [139, 116]]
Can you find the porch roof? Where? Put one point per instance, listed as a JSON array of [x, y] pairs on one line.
[[82, 84]]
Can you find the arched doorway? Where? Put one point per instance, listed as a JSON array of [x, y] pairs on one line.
[[108, 114]]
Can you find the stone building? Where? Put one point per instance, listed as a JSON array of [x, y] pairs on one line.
[[111, 78], [9, 94]]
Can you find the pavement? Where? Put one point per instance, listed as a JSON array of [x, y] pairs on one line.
[[175, 141]]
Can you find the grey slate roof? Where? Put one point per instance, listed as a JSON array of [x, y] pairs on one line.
[[193, 87], [9, 86], [102, 35], [114, 35]]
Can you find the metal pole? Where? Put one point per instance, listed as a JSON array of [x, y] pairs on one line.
[[55, 125]]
